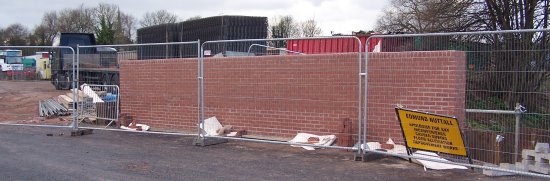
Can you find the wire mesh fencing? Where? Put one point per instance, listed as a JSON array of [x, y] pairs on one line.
[[479, 77], [140, 87], [33, 78], [99, 104], [263, 91]]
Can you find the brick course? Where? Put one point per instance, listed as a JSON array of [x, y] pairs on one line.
[[284, 95]]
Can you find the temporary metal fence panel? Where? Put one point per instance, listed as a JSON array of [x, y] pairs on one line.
[[495, 83], [32, 80], [99, 104], [140, 87], [263, 91]]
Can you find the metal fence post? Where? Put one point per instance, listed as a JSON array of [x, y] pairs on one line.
[[200, 92], [75, 87], [519, 111]]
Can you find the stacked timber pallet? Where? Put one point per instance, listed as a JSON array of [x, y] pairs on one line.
[[62, 105], [205, 29]]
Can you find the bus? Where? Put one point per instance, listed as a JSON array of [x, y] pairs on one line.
[[11, 62]]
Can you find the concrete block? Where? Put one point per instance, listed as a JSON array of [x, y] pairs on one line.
[[542, 157], [542, 147], [528, 162], [521, 166], [543, 163], [537, 157], [545, 156], [540, 169], [527, 154]]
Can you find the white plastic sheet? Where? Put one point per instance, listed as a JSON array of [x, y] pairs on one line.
[[211, 126], [91, 93], [143, 127], [434, 165], [303, 138]]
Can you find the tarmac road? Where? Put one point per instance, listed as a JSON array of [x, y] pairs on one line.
[[29, 154]]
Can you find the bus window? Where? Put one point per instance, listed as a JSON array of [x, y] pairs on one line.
[[14, 60]]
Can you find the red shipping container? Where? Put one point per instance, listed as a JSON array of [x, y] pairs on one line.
[[335, 45]]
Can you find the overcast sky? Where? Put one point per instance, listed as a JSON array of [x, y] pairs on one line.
[[339, 16]]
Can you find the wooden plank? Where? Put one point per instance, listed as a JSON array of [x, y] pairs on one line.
[[65, 101]]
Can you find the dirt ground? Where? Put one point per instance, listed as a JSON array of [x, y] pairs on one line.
[[19, 101], [30, 153]]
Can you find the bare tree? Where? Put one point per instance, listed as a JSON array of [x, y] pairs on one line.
[[80, 20], [285, 27], [310, 28], [40, 36], [471, 15], [16, 34], [2, 39], [48, 28], [107, 25], [107, 11], [121, 24], [421, 16], [85, 20], [157, 18], [512, 15], [126, 26]]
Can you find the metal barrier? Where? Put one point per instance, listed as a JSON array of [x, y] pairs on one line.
[[99, 103], [30, 76], [270, 47], [483, 71], [150, 86], [274, 96]]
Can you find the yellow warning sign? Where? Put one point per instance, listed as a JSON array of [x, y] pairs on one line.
[[431, 132]]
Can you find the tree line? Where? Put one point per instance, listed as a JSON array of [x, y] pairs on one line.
[[113, 26], [427, 16], [519, 63], [106, 21]]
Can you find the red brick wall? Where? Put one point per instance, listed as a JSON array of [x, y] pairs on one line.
[[284, 95], [160, 93], [427, 81]]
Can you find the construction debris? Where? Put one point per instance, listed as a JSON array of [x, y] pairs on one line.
[[50, 107], [433, 165], [65, 101], [211, 126], [238, 133], [536, 160], [306, 138], [224, 130], [91, 93], [389, 146], [134, 126]]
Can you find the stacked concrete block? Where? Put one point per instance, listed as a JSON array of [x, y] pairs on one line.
[[536, 160]]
